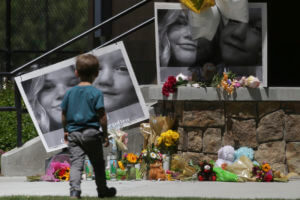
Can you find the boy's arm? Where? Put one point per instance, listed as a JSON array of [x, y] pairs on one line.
[[64, 123], [103, 123]]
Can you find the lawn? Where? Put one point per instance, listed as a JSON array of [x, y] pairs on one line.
[[94, 198]]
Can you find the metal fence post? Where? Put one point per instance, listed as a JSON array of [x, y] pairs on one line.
[[19, 116], [8, 36]]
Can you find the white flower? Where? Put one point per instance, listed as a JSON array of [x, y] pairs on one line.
[[196, 85], [181, 77], [153, 155]]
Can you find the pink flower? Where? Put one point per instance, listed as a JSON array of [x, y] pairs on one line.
[[54, 166], [252, 82]]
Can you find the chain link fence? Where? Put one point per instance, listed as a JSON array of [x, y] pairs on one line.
[[38, 26]]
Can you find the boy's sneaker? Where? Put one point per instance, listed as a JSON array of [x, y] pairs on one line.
[[108, 192], [75, 194]]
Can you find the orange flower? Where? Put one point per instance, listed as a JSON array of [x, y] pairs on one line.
[[225, 76], [266, 167], [132, 158]]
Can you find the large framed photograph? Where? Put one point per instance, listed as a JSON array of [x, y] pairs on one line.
[[43, 89], [234, 46]]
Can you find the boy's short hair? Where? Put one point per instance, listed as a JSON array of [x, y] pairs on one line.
[[87, 65]]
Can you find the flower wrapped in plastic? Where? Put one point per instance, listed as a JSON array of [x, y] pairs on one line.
[[121, 139], [145, 130], [198, 5], [158, 125], [182, 169], [57, 171], [242, 167], [252, 82]]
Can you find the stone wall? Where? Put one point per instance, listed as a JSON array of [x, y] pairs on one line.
[[271, 128]]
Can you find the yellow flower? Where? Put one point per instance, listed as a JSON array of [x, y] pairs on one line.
[[266, 167], [132, 158], [169, 140], [168, 144], [175, 135], [198, 6], [159, 140], [121, 165]]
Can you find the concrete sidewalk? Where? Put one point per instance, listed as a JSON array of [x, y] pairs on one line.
[[249, 190]]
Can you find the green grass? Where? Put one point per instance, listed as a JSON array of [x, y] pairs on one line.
[[94, 198], [91, 198]]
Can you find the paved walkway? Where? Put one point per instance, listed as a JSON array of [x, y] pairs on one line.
[[248, 190]]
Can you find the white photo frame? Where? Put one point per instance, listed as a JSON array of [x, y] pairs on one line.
[[164, 70], [51, 135]]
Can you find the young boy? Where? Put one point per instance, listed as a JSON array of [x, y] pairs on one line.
[[83, 114]]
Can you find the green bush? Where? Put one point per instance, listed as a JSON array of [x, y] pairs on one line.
[[8, 121]]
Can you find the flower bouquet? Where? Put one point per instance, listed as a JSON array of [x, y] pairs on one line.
[[159, 124], [128, 161], [145, 130], [167, 141], [263, 173], [120, 137], [172, 83], [148, 157], [57, 171], [228, 82]]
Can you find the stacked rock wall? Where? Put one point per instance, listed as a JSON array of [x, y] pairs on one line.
[[272, 129]]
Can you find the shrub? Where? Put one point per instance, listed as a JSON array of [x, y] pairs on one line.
[[8, 121]]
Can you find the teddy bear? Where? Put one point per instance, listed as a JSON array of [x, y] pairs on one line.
[[156, 171], [206, 172], [226, 156], [245, 151]]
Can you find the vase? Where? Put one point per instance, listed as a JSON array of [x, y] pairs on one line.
[[166, 161], [146, 172], [131, 172]]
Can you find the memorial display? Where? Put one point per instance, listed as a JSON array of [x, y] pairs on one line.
[[42, 91], [219, 39]]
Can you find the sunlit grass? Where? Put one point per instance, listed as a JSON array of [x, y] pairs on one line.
[[115, 198]]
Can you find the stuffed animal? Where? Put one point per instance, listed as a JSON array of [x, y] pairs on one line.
[[156, 171], [245, 151], [225, 156], [206, 172]]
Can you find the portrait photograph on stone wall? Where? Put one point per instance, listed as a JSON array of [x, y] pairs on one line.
[[43, 89], [219, 39]]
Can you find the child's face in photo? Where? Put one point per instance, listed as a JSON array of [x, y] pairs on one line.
[[55, 86], [240, 43], [184, 49], [114, 81]]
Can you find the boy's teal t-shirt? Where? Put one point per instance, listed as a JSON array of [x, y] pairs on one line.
[[81, 104]]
